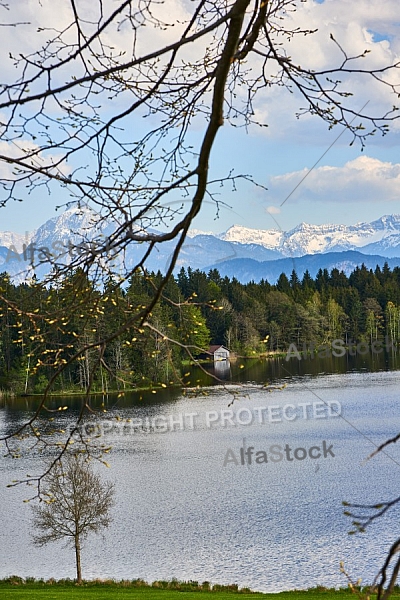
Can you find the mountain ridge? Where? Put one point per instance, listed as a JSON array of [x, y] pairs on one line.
[[306, 238], [246, 270], [305, 243]]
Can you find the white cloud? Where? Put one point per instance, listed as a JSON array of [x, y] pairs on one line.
[[18, 150], [364, 179], [42, 19], [353, 25]]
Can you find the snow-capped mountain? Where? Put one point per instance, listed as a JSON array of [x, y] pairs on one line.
[[228, 252], [269, 238], [75, 225], [9, 239], [380, 236], [52, 240]]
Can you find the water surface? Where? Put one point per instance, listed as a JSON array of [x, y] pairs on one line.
[[181, 513]]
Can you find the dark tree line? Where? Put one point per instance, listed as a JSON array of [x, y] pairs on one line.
[[67, 320], [363, 306]]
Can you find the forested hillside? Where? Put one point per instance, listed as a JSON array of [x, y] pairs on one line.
[[196, 309]]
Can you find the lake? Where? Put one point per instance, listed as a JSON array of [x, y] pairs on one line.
[[241, 483]]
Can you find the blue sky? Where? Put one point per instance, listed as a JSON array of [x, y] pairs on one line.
[[346, 187]]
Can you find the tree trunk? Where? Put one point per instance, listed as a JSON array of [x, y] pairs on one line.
[[78, 560]]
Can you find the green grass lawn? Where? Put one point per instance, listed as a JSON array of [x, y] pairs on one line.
[[92, 591]]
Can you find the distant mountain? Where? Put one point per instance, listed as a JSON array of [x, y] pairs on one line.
[[81, 226], [9, 239], [379, 237], [389, 246], [240, 252], [75, 225], [196, 251], [246, 270]]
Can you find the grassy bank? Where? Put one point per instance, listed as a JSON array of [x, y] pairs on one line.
[[15, 587]]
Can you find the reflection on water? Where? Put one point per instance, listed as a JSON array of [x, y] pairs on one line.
[[263, 370], [222, 369], [269, 525]]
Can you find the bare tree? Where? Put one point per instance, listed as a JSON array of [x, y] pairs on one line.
[[67, 128], [67, 109], [76, 504]]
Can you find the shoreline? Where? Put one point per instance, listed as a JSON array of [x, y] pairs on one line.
[[168, 587]]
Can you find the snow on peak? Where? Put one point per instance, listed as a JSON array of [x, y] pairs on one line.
[[76, 222], [306, 238], [269, 238], [15, 241]]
